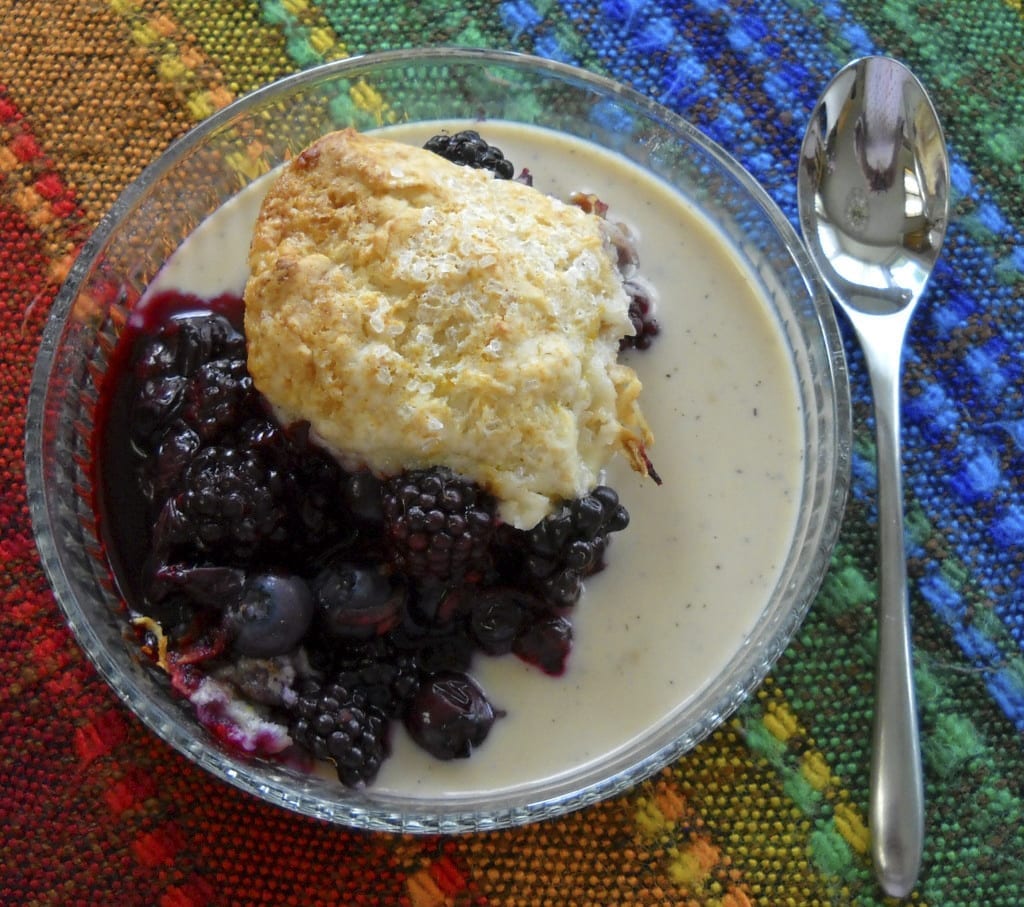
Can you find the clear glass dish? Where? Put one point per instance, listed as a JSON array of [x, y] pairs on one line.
[[237, 145]]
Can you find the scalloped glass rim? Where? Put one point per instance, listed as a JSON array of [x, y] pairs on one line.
[[83, 324]]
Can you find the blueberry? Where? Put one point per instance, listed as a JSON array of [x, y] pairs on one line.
[[355, 602], [449, 716], [498, 615], [271, 616]]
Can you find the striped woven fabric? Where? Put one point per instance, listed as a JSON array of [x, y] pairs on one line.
[[771, 809]]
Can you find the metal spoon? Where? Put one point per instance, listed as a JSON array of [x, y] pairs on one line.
[[873, 191]]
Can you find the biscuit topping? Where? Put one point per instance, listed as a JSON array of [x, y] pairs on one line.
[[417, 313]]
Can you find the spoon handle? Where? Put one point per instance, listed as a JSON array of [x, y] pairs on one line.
[[896, 810]]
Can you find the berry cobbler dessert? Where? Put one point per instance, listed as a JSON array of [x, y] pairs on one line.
[[328, 497]]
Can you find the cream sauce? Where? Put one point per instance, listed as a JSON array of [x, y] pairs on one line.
[[687, 580]]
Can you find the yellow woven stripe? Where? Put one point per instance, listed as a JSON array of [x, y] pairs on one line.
[[243, 64], [178, 61], [783, 724], [281, 36]]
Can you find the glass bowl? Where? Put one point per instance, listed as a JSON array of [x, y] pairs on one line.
[[246, 140]]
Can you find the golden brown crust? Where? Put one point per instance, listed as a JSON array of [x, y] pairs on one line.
[[418, 313]]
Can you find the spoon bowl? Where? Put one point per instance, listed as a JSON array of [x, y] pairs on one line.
[[873, 195], [874, 187]]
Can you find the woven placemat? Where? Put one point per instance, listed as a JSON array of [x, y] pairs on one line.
[[771, 809]]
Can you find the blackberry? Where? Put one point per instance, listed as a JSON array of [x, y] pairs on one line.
[[165, 367], [311, 484], [468, 149], [641, 315], [336, 724], [156, 402], [314, 488], [161, 475], [385, 675], [218, 397], [201, 338], [230, 504], [155, 356], [437, 525], [566, 546]]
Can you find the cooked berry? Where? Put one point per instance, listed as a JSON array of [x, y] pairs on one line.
[[167, 379], [219, 397], [565, 547], [546, 643], [361, 492], [449, 716], [438, 525], [355, 602], [498, 616], [162, 473], [201, 585], [230, 503], [314, 490], [154, 357], [387, 676], [310, 481], [338, 725], [641, 315], [616, 517], [202, 338], [156, 403], [453, 652], [268, 561], [436, 604], [440, 639], [271, 616], [468, 149], [263, 434]]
